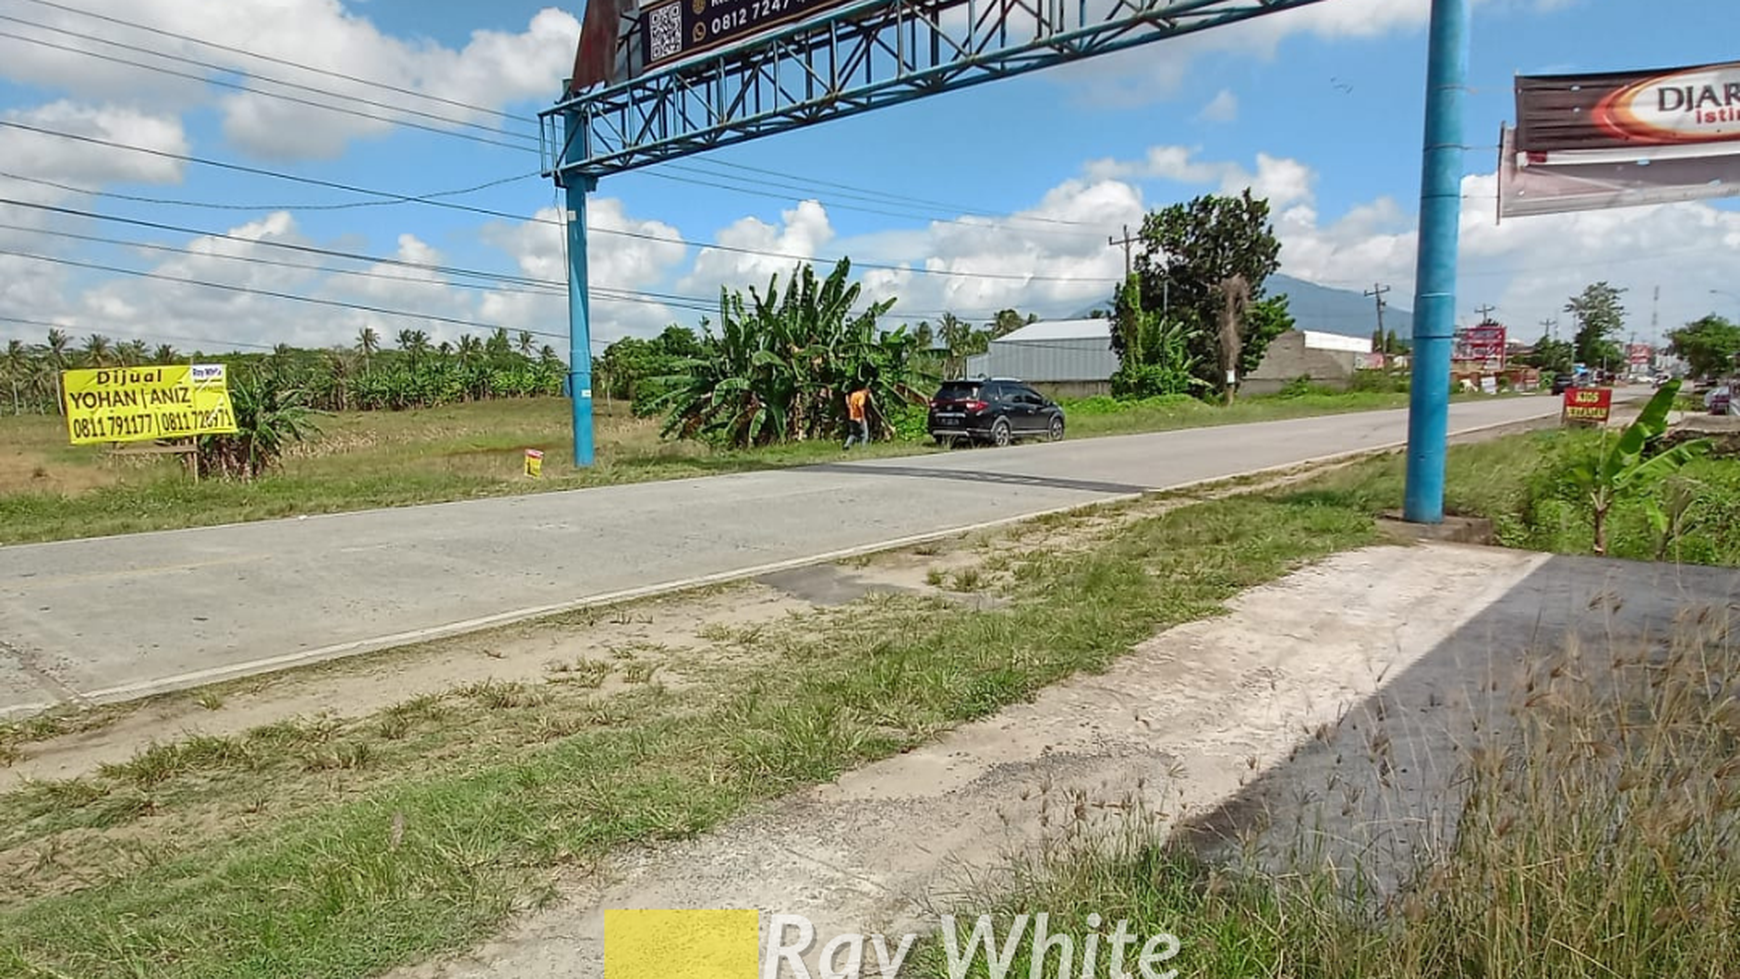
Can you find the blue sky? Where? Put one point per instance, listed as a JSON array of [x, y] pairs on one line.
[[1318, 108]]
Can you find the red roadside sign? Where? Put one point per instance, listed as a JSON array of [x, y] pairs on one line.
[[1588, 405]]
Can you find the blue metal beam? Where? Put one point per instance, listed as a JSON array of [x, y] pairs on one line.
[[1440, 237], [852, 60]]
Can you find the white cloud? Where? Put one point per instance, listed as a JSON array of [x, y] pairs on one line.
[[804, 230], [34, 289], [492, 70], [34, 154], [1527, 268], [1282, 181], [616, 263], [1152, 73], [1224, 107]]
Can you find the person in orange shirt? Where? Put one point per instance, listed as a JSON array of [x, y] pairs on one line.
[[857, 416]]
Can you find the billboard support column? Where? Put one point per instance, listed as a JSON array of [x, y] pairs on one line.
[[1440, 236], [579, 301]]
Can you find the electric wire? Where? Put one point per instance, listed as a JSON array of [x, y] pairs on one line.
[[618, 232], [161, 32], [203, 79]]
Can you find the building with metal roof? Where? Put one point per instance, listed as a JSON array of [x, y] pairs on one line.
[[1065, 358]]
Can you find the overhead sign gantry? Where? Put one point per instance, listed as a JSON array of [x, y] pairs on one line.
[[663, 79]]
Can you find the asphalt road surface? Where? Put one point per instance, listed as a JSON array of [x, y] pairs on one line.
[[122, 617]]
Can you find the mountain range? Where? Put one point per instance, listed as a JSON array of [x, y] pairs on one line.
[[1321, 309]]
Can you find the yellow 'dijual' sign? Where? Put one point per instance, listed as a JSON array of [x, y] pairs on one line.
[[142, 404]]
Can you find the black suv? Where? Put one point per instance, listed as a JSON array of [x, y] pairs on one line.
[[997, 411]]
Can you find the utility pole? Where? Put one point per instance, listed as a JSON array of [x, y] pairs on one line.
[[1376, 292], [1550, 327], [1485, 312], [1127, 241]]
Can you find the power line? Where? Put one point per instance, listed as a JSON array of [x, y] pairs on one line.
[[205, 80], [891, 196], [269, 58], [836, 205], [255, 260], [227, 287], [232, 69], [290, 246], [400, 198], [551, 287], [157, 337], [874, 195], [214, 206]]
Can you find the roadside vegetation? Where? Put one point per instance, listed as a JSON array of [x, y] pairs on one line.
[[1594, 828], [358, 460], [1668, 496], [1597, 838], [341, 846]]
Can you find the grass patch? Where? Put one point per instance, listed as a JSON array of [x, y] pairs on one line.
[[384, 459], [1518, 483], [1598, 838], [388, 840]]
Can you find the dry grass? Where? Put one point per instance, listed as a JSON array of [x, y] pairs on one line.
[[1598, 838]]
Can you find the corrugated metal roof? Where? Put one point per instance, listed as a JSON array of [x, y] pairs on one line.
[[1061, 330]]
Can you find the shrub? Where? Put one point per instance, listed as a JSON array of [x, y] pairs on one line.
[[910, 423], [270, 414], [1302, 387], [1379, 382]]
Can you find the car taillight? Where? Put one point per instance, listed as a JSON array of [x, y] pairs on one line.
[[977, 405]]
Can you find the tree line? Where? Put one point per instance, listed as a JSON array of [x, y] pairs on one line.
[[1192, 318], [412, 372]]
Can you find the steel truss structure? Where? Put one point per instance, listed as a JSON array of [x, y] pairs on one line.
[[850, 60]]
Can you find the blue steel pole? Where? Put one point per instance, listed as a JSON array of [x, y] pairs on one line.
[[1435, 278], [579, 302]]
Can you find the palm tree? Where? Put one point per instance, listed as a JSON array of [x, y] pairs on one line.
[[528, 343], [165, 354], [131, 354], [15, 367], [470, 349], [99, 350], [368, 343], [56, 361]]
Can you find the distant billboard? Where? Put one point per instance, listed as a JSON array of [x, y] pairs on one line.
[[1628, 110], [1485, 342], [1592, 142], [1639, 354]]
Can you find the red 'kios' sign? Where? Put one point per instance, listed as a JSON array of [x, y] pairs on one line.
[[1588, 404]]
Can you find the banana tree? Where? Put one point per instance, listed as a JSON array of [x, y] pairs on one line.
[[1622, 468], [783, 361]]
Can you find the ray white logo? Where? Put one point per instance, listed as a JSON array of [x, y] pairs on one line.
[[1049, 955]]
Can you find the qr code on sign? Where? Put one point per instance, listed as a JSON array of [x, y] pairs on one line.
[[665, 28]]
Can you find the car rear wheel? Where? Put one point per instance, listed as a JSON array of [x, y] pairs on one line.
[[1056, 432], [1000, 433]]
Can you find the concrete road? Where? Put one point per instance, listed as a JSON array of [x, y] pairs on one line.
[[114, 618]]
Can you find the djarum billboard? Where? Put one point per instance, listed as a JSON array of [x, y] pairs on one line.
[[1591, 142]]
